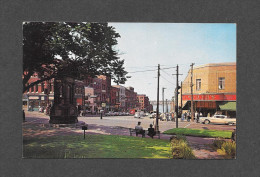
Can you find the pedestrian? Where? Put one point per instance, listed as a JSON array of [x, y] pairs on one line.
[[197, 117], [189, 116], [196, 114], [79, 110], [182, 117], [185, 115], [23, 116]]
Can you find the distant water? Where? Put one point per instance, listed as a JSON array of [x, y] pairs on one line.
[[161, 108]]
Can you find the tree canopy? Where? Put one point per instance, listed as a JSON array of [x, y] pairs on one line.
[[78, 49]]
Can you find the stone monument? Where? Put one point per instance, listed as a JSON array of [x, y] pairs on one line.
[[64, 110]]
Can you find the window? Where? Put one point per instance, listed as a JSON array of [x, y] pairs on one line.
[[198, 84], [221, 83], [32, 89], [36, 88], [50, 87]]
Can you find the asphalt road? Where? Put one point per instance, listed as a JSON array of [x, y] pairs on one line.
[[129, 122]]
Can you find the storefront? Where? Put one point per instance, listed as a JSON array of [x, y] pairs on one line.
[[210, 104], [34, 102]]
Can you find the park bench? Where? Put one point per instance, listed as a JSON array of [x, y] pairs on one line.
[[131, 131]]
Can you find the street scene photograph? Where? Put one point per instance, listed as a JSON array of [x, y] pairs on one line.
[[129, 90]]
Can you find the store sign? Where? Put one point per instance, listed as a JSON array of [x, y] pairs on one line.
[[211, 97], [34, 97]]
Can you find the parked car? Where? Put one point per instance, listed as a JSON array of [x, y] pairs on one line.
[[137, 115], [163, 117], [110, 113], [218, 119]]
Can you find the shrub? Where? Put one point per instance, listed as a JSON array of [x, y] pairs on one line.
[[180, 148], [218, 143], [229, 148]]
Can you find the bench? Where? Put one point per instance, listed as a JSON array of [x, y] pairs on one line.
[[131, 131]]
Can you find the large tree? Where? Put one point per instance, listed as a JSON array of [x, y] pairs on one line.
[[79, 49]]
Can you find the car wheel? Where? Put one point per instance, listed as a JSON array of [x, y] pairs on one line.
[[206, 122]]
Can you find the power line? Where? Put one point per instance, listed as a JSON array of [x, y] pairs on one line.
[[167, 73], [168, 68], [167, 80], [142, 71]]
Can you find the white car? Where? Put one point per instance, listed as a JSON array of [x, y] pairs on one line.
[[137, 115], [218, 119]]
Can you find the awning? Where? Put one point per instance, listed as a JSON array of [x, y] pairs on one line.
[[187, 106], [228, 106]]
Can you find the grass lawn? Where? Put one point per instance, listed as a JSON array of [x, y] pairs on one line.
[[96, 146], [199, 132]]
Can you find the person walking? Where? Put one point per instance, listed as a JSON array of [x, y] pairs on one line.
[[185, 115], [197, 118], [196, 115], [23, 116], [189, 116]]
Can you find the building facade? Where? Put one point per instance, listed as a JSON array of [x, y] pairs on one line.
[[121, 97], [40, 95], [214, 89], [144, 103]]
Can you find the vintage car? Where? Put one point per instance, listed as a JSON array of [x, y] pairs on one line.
[[137, 115], [218, 119]]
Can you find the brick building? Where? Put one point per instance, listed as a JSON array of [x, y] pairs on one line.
[[40, 95], [114, 95], [131, 99], [214, 89], [121, 97], [144, 103], [102, 88]]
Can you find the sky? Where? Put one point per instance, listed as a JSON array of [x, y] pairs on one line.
[[145, 45]]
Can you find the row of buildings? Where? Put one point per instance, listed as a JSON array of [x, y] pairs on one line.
[[214, 89], [91, 94]]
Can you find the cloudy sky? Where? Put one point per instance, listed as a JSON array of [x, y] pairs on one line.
[[145, 45]]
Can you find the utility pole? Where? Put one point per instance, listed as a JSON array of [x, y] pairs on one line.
[[163, 98], [177, 85], [157, 109], [181, 97], [191, 88], [166, 106], [176, 94]]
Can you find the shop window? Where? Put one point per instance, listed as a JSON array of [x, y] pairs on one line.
[[221, 83], [198, 84], [50, 87]]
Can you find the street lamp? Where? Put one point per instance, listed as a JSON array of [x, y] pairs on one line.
[[163, 97]]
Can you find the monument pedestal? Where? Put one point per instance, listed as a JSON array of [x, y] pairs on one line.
[[63, 114], [63, 110]]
